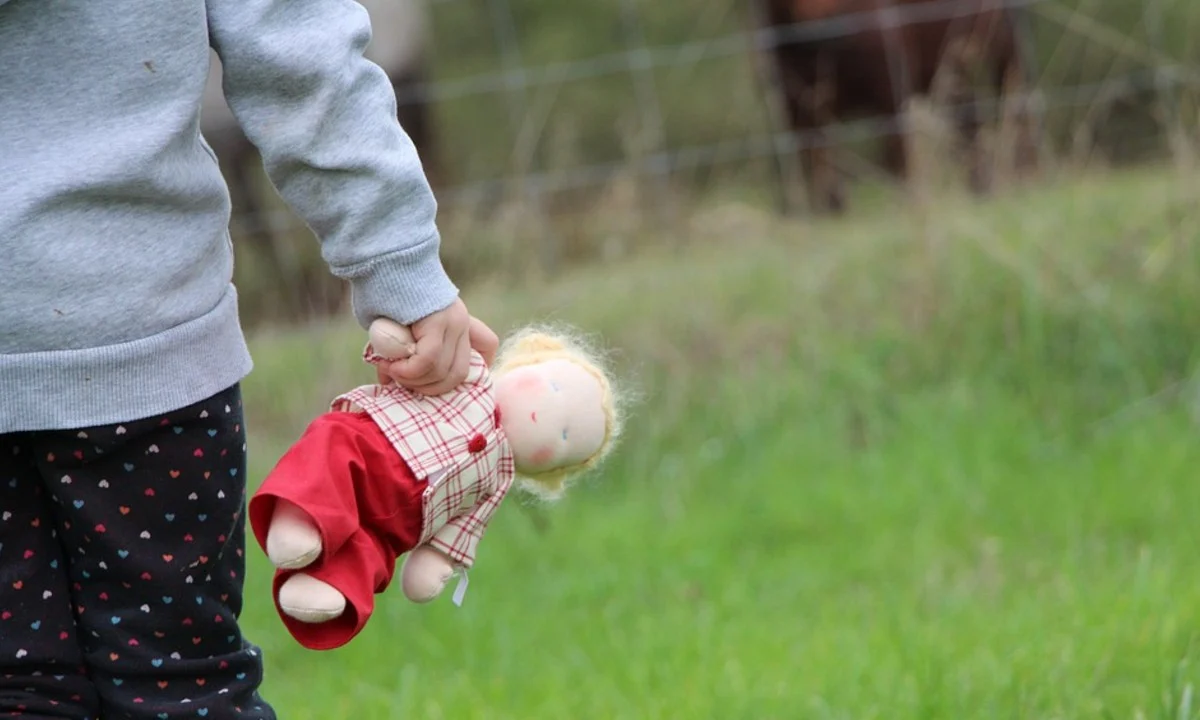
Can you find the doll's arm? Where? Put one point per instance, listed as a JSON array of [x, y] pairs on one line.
[[388, 340], [459, 538], [425, 573], [429, 567]]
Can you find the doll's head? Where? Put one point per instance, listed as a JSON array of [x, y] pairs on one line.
[[558, 407]]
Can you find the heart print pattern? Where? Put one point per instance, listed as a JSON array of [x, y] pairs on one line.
[[122, 553]]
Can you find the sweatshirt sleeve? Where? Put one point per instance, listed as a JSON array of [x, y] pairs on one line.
[[323, 117]]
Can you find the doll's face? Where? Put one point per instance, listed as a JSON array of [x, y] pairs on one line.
[[552, 413]]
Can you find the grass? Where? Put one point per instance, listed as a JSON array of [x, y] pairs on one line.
[[897, 466]]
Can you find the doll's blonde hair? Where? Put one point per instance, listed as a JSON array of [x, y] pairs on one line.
[[537, 344]]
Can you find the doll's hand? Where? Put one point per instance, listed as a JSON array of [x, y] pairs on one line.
[[425, 574], [390, 340], [439, 358]]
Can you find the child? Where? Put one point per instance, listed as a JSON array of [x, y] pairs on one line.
[[122, 440]]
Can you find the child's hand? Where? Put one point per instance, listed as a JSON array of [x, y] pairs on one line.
[[443, 344]]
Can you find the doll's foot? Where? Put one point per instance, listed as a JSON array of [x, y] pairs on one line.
[[310, 600], [293, 541]]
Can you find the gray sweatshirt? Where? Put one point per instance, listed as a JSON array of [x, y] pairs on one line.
[[116, 301]]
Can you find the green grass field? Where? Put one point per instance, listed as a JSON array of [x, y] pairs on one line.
[[898, 466]]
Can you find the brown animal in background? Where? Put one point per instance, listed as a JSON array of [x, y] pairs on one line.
[[891, 51]]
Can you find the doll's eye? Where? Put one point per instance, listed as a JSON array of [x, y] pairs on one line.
[[554, 386]]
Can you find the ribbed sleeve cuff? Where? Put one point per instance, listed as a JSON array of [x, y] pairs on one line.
[[405, 286]]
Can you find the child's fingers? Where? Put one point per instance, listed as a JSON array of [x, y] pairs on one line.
[[429, 364], [430, 368], [450, 370], [460, 366], [483, 340], [442, 352]]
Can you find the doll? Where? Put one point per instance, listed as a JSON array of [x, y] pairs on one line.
[[388, 472]]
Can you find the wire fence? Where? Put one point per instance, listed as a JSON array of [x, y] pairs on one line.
[[641, 57], [1165, 78], [791, 141], [516, 77], [658, 99]]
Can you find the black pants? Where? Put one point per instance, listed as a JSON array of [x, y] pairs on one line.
[[121, 562]]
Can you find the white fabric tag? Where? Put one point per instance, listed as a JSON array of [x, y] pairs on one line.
[[460, 590]]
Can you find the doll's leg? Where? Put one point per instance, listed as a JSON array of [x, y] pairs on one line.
[[309, 600], [327, 604], [293, 539], [341, 470]]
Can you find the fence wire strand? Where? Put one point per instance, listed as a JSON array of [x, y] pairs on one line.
[[764, 146], [688, 53], [515, 80]]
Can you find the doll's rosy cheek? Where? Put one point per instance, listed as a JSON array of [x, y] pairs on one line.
[[542, 455], [530, 384]]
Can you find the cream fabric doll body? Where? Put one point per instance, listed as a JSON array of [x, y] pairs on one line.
[[544, 414]]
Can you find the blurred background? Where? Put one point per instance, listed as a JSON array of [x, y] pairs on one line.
[[924, 453]]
